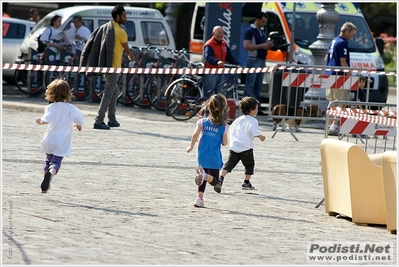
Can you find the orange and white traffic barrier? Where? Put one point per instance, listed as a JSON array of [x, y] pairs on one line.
[[309, 80]]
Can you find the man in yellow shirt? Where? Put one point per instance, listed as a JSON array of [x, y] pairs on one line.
[[120, 45]]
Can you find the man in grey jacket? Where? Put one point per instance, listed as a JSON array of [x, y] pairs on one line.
[[105, 48]]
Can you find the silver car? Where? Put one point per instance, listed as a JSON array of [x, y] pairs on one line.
[[14, 32]]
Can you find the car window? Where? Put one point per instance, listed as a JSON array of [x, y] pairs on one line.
[[128, 27], [13, 30], [130, 30], [102, 21], [86, 22], [154, 33]]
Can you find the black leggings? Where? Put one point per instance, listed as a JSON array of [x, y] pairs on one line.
[[215, 174]]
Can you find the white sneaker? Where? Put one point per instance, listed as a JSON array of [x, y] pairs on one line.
[[199, 203]]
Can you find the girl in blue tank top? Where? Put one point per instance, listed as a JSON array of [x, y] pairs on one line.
[[211, 133]]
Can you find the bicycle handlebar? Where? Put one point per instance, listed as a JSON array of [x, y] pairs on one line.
[[227, 65]]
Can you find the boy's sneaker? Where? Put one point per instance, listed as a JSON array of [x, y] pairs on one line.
[[199, 177], [45, 186], [218, 187], [247, 186], [199, 203]]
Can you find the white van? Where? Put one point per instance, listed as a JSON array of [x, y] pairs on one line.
[[14, 32], [144, 25]]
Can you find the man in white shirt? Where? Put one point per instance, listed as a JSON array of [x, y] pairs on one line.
[[82, 33]]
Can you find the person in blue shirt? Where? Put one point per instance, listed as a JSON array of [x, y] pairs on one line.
[[256, 45], [211, 133], [338, 56]]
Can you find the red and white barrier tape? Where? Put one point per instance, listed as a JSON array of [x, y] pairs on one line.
[[354, 72], [389, 113], [365, 117], [168, 71], [135, 70]]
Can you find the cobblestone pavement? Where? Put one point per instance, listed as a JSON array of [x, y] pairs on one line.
[[125, 196]]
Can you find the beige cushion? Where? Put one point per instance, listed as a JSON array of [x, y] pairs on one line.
[[334, 162], [352, 183], [389, 173]]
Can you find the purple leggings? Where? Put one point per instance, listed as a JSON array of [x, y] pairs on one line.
[[52, 162]]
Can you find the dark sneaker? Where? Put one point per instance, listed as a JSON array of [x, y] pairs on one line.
[[101, 126], [45, 186], [218, 187], [113, 123], [247, 186]]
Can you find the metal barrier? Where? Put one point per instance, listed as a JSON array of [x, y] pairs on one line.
[[301, 93], [369, 126], [291, 84]]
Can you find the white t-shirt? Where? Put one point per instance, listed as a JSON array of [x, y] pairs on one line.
[[83, 32], [242, 133], [60, 117]]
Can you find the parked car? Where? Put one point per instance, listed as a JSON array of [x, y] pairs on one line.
[[14, 33]]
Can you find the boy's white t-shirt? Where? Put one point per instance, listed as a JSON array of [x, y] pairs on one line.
[[60, 117], [242, 133]]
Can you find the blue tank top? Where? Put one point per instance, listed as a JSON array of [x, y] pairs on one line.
[[209, 154]]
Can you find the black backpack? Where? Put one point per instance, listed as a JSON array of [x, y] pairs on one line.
[[41, 46]]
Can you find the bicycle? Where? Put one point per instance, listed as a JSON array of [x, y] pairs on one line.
[[136, 83], [66, 60], [185, 96], [34, 82], [158, 83], [30, 82], [98, 82], [130, 91]]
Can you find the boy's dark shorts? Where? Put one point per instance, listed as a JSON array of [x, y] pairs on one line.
[[246, 157]]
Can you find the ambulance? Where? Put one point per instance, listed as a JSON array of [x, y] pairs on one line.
[[364, 53]]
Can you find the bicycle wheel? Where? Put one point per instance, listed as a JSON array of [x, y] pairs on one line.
[[98, 86], [122, 83], [184, 97], [29, 82], [50, 76], [81, 86], [234, 97], [135, 90], [156, 88]]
